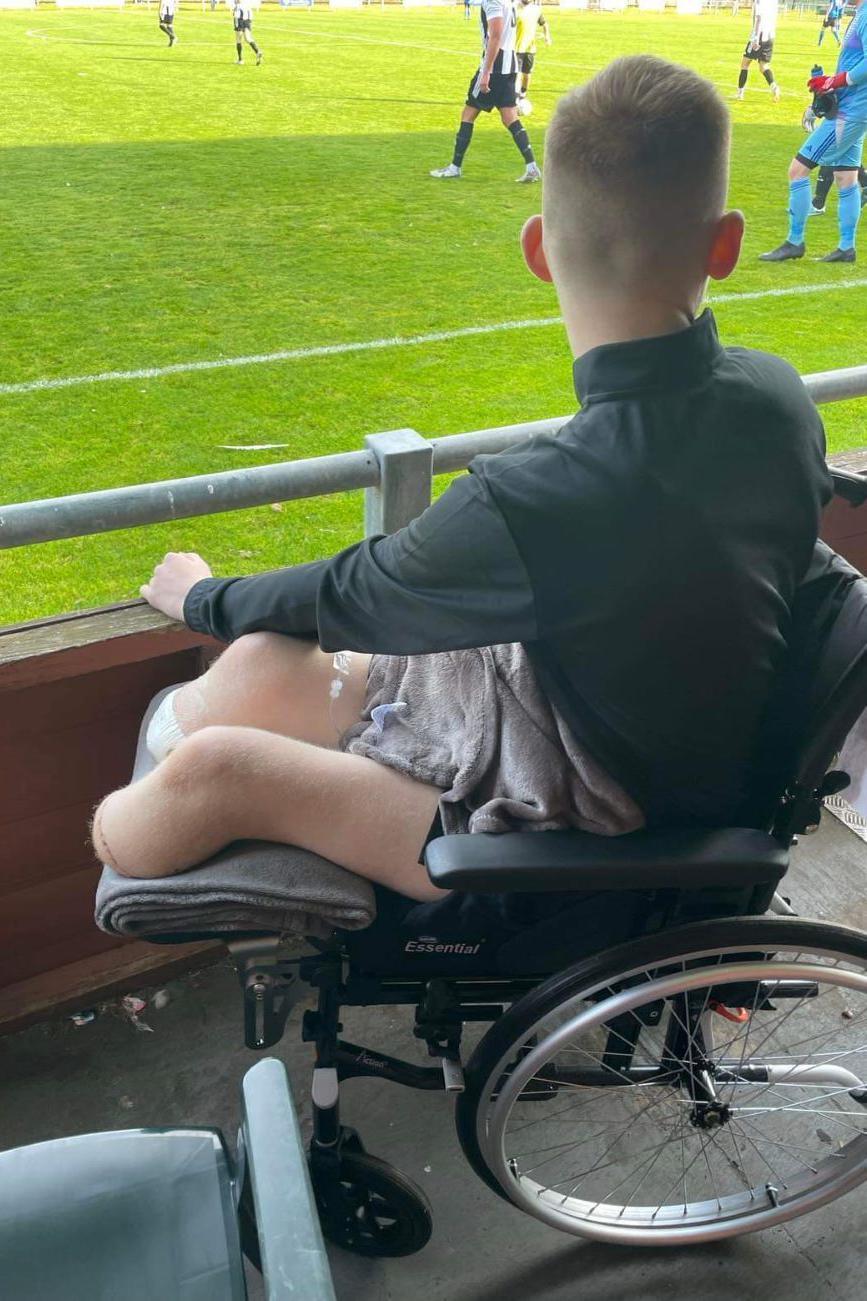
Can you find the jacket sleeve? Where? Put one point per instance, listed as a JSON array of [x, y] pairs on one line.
[[452, 579]]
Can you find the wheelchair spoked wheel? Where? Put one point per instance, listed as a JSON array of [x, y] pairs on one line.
[[711, 1081], [372, 1210]]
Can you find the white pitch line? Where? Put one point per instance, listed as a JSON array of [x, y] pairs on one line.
[[373, 345]]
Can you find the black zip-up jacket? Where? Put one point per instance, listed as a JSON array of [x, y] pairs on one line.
[[646, 556]]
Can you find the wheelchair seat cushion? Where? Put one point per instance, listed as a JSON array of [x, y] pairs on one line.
[[249, 886]]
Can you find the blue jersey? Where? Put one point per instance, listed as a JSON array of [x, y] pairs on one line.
[[835, 11], [853, 59]]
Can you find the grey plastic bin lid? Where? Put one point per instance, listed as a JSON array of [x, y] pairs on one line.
[[131, 1215]]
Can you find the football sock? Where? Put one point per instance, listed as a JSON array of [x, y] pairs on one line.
[[522, 140], [848, 214], [742, 78], [239, 47], [254, 47], [799, 207], [821, 35], [462, 142], [768, 76], [823, 185]]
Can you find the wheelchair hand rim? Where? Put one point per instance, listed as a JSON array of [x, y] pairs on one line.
[[707, 1220]]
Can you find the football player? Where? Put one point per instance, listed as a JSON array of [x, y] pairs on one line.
[[530, 18], [760, 46], [832, 20], [837, 142], [493, 86], [242, 17], [167, 18]]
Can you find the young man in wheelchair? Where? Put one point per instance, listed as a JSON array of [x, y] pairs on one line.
[[627, 583]]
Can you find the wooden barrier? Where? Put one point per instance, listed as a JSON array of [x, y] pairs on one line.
[[72, 693]]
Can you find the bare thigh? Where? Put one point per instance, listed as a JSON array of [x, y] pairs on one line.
[[236, 783], [279, 684]]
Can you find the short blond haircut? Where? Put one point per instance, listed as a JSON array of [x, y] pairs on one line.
[[636, 173]]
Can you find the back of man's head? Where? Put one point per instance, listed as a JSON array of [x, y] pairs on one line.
[[636, 173]]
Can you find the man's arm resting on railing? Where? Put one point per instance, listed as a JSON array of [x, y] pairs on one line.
[[453, 578]]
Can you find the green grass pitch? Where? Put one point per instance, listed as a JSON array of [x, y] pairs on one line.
[[165, 206]]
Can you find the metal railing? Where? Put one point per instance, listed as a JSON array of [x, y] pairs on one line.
[[395, 469]]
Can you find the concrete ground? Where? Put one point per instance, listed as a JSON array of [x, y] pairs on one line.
[[57, 1079]]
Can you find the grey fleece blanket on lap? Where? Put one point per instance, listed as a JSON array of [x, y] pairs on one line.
[[476, 724]]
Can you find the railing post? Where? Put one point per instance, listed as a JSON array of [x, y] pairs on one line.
[[405, 461]]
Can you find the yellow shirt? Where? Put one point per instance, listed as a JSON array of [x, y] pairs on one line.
[[529, 18]]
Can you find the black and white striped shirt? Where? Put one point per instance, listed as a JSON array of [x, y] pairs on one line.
[[505, 62]]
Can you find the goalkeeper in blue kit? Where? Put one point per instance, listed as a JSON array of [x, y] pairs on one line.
[[836, 143]]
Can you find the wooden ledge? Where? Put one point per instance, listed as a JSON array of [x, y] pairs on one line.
[[72, 644]]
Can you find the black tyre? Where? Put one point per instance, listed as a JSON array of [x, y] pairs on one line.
[[373, 1210], [500, 1067]]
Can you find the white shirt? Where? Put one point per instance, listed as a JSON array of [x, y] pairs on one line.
[[505, 60], [242, 11], [764, 21]]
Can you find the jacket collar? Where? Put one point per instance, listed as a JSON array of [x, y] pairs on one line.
[[663, 361]]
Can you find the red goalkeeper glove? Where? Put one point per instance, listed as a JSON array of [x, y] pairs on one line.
[[822, 85]]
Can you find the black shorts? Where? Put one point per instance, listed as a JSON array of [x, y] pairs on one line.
[[243, 24], [166, 20], [501, 92], [525, 62], [764, 52]]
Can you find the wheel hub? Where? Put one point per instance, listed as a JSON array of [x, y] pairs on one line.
[[710, 1115]]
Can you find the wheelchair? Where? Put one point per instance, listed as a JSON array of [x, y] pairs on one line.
[[672, 1056]]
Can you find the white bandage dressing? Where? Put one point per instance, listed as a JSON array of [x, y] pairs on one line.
[[164, 731]]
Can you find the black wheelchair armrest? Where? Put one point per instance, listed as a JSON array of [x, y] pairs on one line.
[[574, 860]]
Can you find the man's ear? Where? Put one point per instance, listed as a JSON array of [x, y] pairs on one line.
[[726, 246], [531, 247]]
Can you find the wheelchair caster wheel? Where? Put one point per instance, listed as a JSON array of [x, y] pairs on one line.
[[370, 1208]]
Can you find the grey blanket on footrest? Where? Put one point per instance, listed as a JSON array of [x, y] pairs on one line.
[[252, 885]]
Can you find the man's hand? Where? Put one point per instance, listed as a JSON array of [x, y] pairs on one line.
[[822, 85], [484, 82], [172, 580]]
